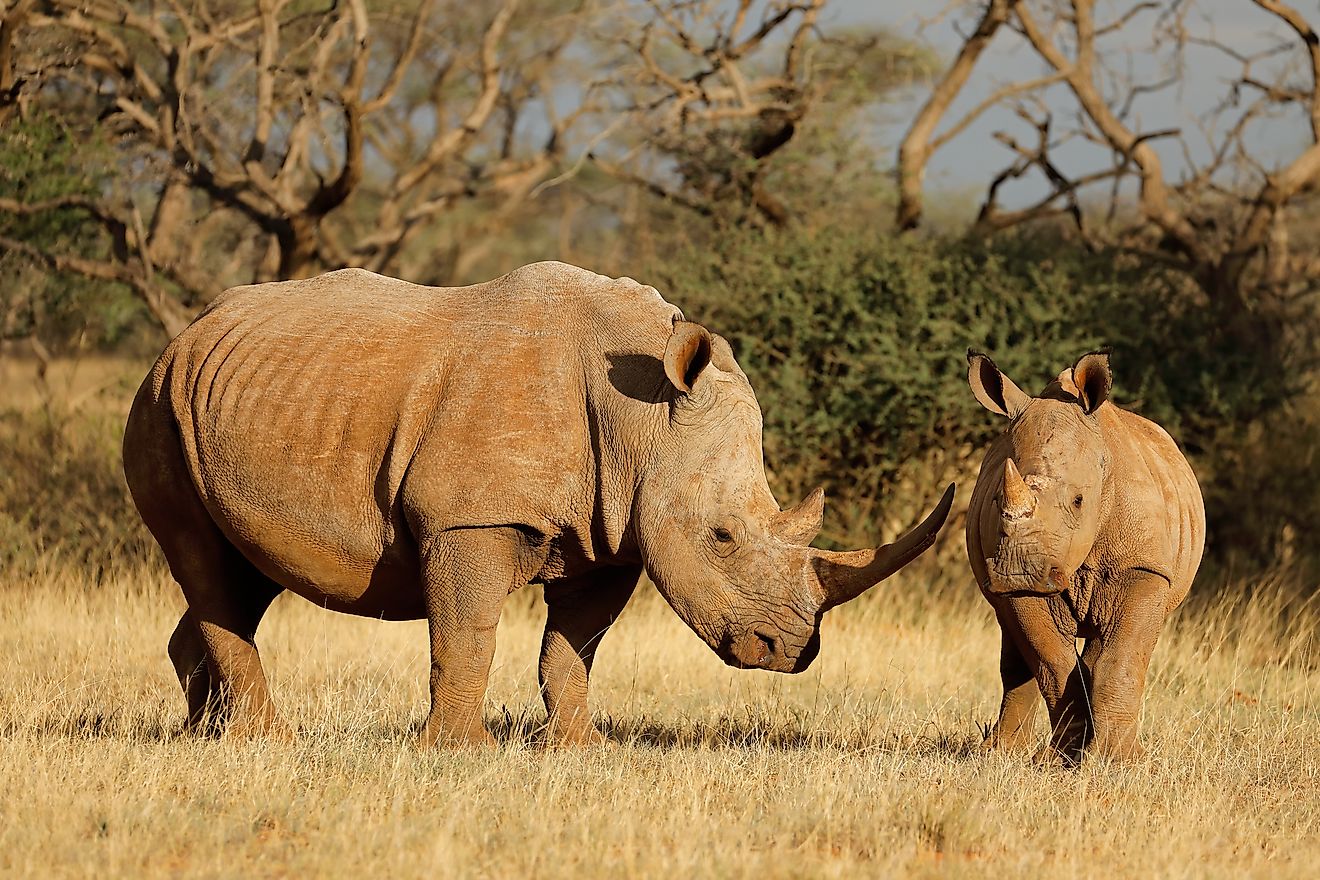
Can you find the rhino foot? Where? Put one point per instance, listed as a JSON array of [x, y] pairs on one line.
[[441, 736], [577, 737]]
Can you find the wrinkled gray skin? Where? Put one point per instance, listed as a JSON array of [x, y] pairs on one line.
[[404, 452], [1086, 521]]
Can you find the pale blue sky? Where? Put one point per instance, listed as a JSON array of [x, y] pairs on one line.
[[966, 164]]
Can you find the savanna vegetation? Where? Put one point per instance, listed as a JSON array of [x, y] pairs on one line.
[[864, 764], [152, 154]]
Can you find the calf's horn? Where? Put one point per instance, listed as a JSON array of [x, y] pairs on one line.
[[845, 576], [1018, 500]]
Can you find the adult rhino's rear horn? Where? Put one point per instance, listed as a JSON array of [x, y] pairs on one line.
[[845, 576], [800, 524]]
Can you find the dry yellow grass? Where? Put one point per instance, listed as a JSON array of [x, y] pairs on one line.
[[100, 382], [861, 766]]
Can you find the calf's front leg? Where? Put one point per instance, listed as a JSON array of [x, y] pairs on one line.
[[579, 612], [1046, 634], [1117, 660]]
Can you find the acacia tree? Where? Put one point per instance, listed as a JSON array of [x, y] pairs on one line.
[[241, 133], [712, 95], [1222, 220], [274, 140]]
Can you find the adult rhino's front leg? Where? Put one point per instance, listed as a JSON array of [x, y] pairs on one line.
[[579, 612], [467, 573], [1117, 660]]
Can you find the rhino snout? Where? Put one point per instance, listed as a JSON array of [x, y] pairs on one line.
[[766, 647], [1036, 580]]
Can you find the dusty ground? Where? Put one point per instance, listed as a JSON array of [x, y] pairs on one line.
[[862, 766]]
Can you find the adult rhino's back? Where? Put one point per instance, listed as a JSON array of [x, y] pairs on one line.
[[298, 408]]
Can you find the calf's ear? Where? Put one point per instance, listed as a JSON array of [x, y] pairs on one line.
[[1093, 380], [687, 354], [995, 391]]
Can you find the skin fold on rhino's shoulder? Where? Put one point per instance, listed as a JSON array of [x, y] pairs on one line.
[[1160, 492]]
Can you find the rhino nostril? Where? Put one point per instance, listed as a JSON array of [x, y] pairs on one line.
[[767, 647]]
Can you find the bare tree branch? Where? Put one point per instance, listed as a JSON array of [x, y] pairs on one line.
[[916, 149], [1219, 220], [266, 114], [13, 20]]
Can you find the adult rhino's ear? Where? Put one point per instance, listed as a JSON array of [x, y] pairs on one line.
[[687, 354], [1093, 380], [721, 354], [995, 391]]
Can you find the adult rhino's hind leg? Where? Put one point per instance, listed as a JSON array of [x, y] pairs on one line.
[[226, 594], [188, 654], [467, 573], [579, 612], [227, 598]]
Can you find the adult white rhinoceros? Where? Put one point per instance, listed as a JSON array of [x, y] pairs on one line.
[[398, 451]]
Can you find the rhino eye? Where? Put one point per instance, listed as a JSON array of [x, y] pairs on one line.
[[1077, 502], [722, 535]]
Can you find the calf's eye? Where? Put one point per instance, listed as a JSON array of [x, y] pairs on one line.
[[1077, 502]]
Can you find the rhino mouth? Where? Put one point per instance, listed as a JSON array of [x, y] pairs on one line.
[[767, 648], [1019, 582]]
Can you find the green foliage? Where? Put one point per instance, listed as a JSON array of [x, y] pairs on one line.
[[855, 339], [41, 160]]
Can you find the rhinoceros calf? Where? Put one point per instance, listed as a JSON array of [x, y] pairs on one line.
[[398, 451], [1086, 521]]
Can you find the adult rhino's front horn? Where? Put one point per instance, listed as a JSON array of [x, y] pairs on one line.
[[845, 576]]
